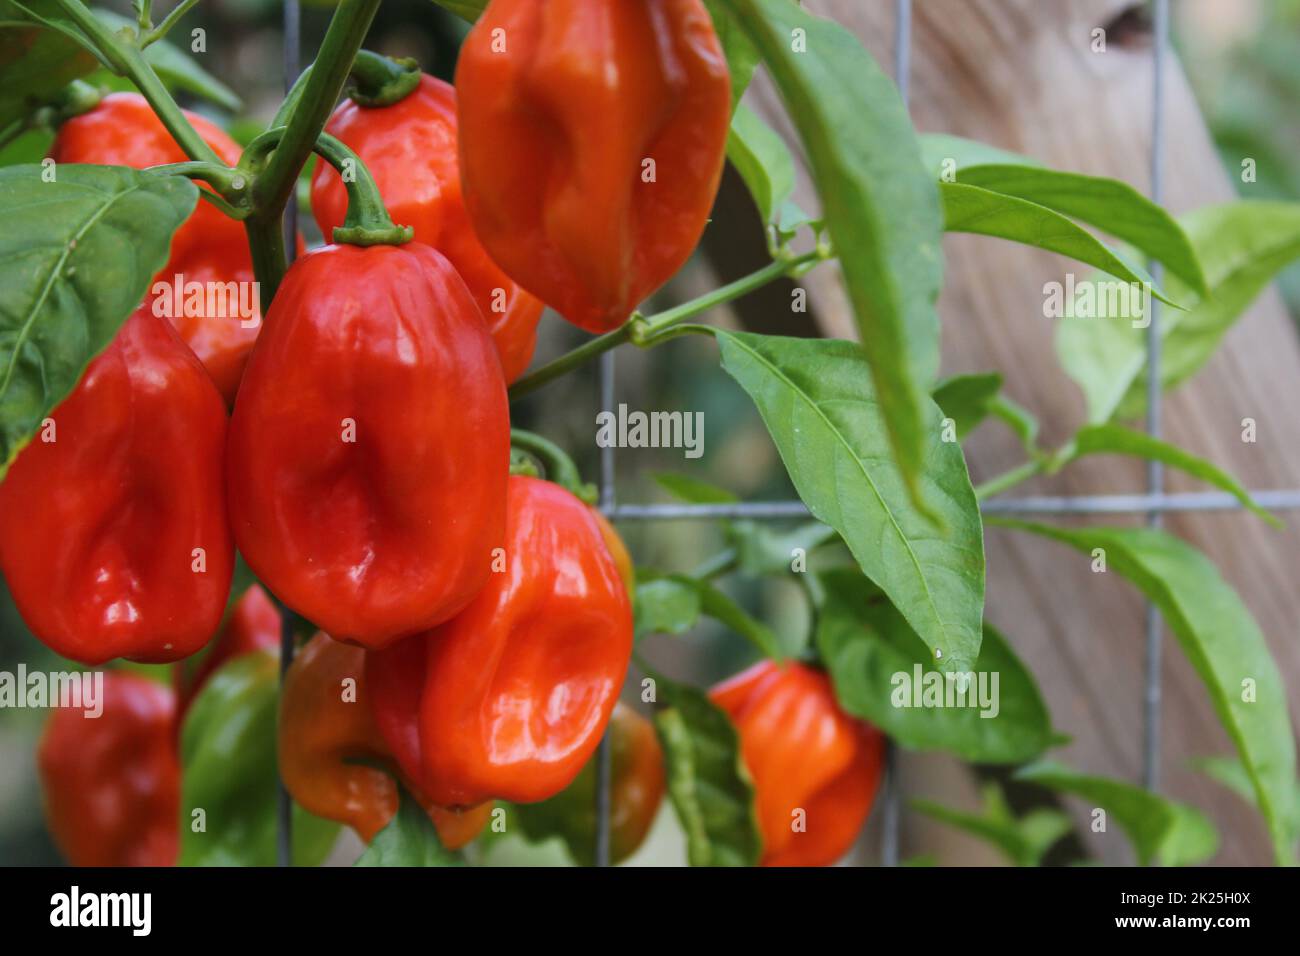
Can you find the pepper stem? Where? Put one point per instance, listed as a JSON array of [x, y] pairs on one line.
[[381, 81], [556, 465], [367, 222]]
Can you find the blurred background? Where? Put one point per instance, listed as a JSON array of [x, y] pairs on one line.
[[1242, 59]]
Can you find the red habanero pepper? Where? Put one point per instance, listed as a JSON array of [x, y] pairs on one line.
[[326, 726], [370, 444], [410, 149], [592, 136], [636, 777], [509, 699], [112, 783], [803, 753], [253, 625], [208, 248], [113, 529]]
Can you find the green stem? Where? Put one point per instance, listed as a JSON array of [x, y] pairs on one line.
[[381, 81], [320, 92], [230, 185], [169, 21], [570, 360], [557, 466], [367, 222], [1011, 478], [127, 60], [266, 245], [721, 563], [647, 330]]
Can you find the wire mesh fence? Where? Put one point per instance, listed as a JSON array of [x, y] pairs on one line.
[[1153, 504]]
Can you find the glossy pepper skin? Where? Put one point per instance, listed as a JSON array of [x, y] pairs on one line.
[[410, 149], [509, 699], [253, 625], [112, 784], [636, 791], [370, 444], [555, 131], [99, 527], [325, 725], [803, 753], [210, 247]]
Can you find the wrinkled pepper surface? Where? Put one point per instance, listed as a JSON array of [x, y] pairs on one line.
[[209, 248], [636, 790], [370, 445], [114, 537], [804, 754], [410, 149], [592, 135], [510, 698], [326, 725], [112, 783]]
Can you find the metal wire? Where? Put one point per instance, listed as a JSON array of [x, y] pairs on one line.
[[606, 386], [1155, 469], [283, 803], [1154, 503]]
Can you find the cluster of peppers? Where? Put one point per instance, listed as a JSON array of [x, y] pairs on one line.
[[475, 625]]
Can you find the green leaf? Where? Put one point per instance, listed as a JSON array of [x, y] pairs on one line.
[[708, 783], [1116, 439], [693, 490], [467, 10], [741, 56], [229, 772], [881, 209], [176, 69], [76, 258], [1019, 419], [1241, 246], [669, 605], [874, 660], [1231, 773], [35, 64], [1024, 841], [760, 550], [967, 399], [1112, 206], [409, 839], [945, 156], [1173, 834], [817, 400], [1222, 642], [719, 606], [972, 209], [764, 163], [673, 604]]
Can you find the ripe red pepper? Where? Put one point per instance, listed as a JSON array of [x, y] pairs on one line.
[[410, 149], [210, 247], [804, 754], [326, 727], [113, 535], [370, 444], [636, 789], [112, 784], [509, 699], [562, 106], [253, 625]]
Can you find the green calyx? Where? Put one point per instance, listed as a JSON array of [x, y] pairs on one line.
[[367, 222], [529, 451], [380, 81]]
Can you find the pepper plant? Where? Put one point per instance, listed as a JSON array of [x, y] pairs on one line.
[[558, 187]]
